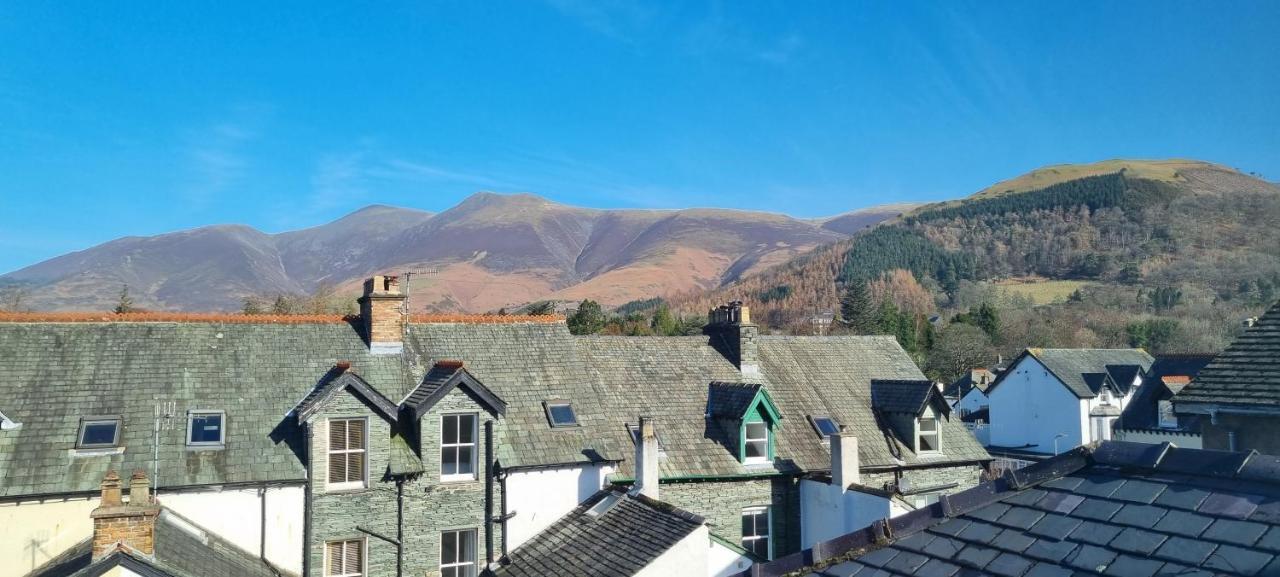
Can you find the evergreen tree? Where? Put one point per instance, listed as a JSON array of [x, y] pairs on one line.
[[588, 319], [251, 306], [664, 323], [125, 303], [855, 308]]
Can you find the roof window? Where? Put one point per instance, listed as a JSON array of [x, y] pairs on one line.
[[825, 426], [560, 414], [98, 433], [206, 428]]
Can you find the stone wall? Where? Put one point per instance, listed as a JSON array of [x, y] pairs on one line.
[[722, 502], [430, 506]]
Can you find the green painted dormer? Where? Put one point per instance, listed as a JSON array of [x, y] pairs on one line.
[[748, 409]]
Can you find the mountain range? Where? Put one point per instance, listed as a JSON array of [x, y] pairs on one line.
[[490, 251]]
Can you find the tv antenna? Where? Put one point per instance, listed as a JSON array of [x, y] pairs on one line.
[[164, 411]]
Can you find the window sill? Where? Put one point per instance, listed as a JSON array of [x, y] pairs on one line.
[[457, 479], [96, 451], [333, 488], [211, 447]]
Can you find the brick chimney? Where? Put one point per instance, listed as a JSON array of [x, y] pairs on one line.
[[730, 328], [845, 468], [382, 308], [646, 463], [131, 524]]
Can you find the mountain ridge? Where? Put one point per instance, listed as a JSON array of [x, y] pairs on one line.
[[491, 250]]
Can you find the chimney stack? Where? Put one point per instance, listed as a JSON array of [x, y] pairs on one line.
[[131, 524], [845, 469], [382, 308], [646, 464], [731, 323]]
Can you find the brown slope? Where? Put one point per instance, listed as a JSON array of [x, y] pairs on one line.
[[489, 251]]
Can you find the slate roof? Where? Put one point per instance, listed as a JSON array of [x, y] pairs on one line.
[[1071, 366], [905, 396], [341, 380], [182, 549], [967, 382], [444, 377], [1142, 412], [623, 540], [1246, 374], [1125, 509], [259, 372], [730, 400]]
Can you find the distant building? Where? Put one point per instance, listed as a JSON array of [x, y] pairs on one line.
[[1124, 509], [1149, 415], [1237, 396], [1051, 400], [968, 394]]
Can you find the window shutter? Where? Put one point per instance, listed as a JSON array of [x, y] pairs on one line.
[[337, 435], [354, 552], [334, 552], [355, 434]]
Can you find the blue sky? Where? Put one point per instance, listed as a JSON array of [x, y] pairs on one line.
[[130, 119]]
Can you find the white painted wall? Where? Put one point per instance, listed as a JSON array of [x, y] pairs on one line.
[[539, 497], [723, 561], [236, 515], [32, 532], [826, 512], [971, 401], [1031, 406], [688, 557]]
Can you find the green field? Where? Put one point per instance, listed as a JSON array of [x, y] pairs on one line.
[[1043, 291]]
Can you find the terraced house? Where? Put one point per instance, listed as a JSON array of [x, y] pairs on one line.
[[389, 444]]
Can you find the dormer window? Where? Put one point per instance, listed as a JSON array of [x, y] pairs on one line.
[[560, 414], [928, 434], [98, 433], [1168, 419], [755, 443], [825, 426], [1105, 396]]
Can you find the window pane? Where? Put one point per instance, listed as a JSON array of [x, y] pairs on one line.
[[337, 468], [468, 546], [448, 548], [928, 425], [449, 432], [760, 547], [465, 466], [826, 426], [748, 525], [355, 434], [353, 554], [337, 435], [334, 551], [756, 430], [929, 442], [449, 461], [99, 433], [562, 415], [757, 449], [355, 467], [206, 428], [450, 572], [466, 428]]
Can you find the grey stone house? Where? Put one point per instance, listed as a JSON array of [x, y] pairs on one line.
[[441, 452], [1236, 397]]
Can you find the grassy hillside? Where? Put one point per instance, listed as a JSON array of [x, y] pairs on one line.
[[1169, 255]]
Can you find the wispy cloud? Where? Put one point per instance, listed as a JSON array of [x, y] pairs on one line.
[[621, 20], [215, 156]]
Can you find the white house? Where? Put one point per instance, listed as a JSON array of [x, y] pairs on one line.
[[967, 395], [1051, 400]]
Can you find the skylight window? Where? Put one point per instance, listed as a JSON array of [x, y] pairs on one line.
[[98, 433], [604, 505], [826, 426], [560, 414], [205, 428]]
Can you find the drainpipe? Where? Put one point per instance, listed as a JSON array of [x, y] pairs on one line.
[[488, 493], [399, 526], [1231, 441]]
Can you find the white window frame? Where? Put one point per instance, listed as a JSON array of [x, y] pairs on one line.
[[549, 405], [475, 431], [461, 563], [94, 420], [222, 428], [1165, 409], [364, 451], [756, 511], [747, 440], [929, 415], [813, 420], [364, 557]]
